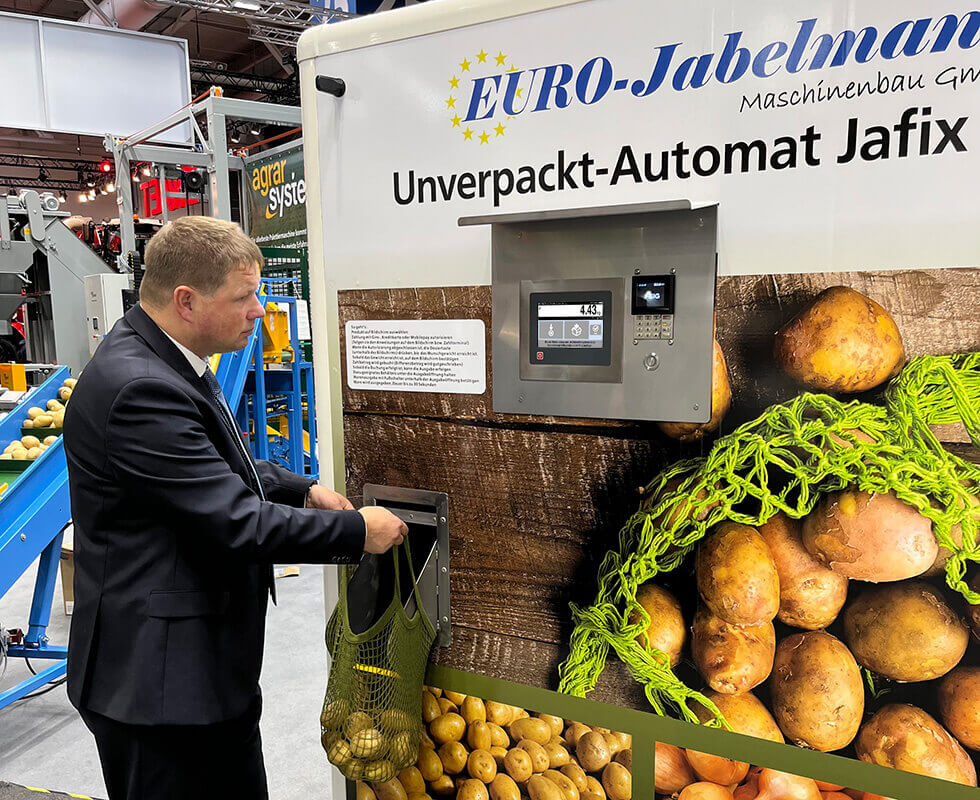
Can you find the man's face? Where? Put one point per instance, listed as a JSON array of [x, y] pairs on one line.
[[227, 317]]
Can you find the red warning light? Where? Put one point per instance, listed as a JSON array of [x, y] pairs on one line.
[[106, 166]]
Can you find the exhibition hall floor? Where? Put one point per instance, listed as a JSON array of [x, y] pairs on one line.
[[44, 744]]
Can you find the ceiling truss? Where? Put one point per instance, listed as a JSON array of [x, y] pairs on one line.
[[276, 22]]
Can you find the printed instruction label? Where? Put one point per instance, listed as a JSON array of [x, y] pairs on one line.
[[417, 355]]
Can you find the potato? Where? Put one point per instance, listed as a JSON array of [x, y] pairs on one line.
[[816, 689], [576, 731], [430, 707], [745, 713], [69, 382], [429, 764], [472, 790], [481, 765], [540, 788], [592, 752], [378, 771], [473, 710], [557, 724], [666, 631], [453, 757], [721, 401], [539, 757], [64, 393], [557, 755], [498, 736], [447, 728], [842, 342], [6, 457], [959, 705], [567, 786], [364, 792], [502, 787], [340, 753], [412, 780], [906, 737], [732, 659], [576, 774], [33, 453], [499, 713], [499, 754], [456, 698], [43, 421], [905, 631], [358, 721], [19, 454], [617, 782], [593, 789], [870, 537], [34, 411], [736, 575], [624, 757], [811, 595], [518, 765], [443, 786], [54, 405], [390, 789], [367, 743], [334, 713], [537, 730], [973, 612], [30, 441], [49, 440], [447, 706], [478, 736]]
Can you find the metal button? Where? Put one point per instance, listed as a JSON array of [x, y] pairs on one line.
[[650, 361]]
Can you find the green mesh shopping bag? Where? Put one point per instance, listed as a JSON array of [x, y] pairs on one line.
[[371, 723]]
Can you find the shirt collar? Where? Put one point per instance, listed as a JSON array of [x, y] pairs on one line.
[[198, 364]]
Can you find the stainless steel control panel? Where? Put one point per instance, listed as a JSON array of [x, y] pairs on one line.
[[604, 312]]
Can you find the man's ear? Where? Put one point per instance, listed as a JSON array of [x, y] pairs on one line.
[[184, 301]]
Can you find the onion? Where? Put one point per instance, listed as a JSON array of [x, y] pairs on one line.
[[748, 790], [775, 785], [672, 772], [717, 769], [705, 791]]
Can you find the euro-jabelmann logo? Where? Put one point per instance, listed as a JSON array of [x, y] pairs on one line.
[[490, 89], [481, 68]]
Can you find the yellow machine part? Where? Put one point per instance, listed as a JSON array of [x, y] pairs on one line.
[[13, 377], [275, 336]]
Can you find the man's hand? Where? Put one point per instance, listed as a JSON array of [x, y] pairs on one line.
[[384, 529], [327, 499]]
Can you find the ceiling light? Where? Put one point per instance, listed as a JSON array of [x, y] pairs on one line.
[[245, 5], [136, 178], [255, 130], [90, 182], [146, 170], [83, 198], [62, 198], [110, 186], [91, 194]]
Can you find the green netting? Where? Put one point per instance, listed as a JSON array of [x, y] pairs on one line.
[[784, 461], [371, 723]]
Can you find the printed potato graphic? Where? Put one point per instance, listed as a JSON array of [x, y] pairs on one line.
[[841, 342], [528, 755]]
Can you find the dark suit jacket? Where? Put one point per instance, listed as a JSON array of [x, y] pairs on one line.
[[173, 546]]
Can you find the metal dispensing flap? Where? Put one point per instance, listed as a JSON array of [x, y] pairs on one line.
[[427, 516]]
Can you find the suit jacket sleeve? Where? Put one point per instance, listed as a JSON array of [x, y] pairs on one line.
[[159, 448], [282, 486]]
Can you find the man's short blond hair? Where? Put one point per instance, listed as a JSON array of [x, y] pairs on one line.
[[194, 251]]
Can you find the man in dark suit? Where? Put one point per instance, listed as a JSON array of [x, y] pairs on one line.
[[177, 528]]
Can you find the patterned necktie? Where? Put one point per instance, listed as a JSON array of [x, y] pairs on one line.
[[224, 411]]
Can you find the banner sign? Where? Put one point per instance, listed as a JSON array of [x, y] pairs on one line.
[[275, 191], [832, 134]]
